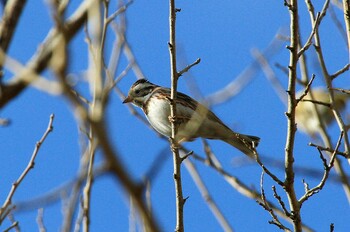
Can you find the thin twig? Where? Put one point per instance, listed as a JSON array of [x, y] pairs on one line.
[[245, 77], [340, 71], [40, 220], [188, 67], [270, 75], [263, 203], [327, 169], [313, 31], [14, 225], [30, 165], [268, 172], [239, 186], [307, 89], [119, 11], [328, 149], [280, 201]]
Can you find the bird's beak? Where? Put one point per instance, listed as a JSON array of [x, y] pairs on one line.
[[128, 99]]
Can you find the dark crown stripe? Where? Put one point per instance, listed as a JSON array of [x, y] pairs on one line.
[[141, 81]]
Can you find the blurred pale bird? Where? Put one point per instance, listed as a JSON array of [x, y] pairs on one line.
[[305, 115]]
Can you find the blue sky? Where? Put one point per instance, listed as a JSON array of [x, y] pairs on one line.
[[222, 34]]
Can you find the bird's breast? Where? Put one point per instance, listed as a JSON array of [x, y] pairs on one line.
[[157, 113]]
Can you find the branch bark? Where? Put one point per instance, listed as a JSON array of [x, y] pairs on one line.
[[180, 201], [289, 148]]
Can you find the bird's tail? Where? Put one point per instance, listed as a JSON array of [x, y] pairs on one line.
[[244, 143]]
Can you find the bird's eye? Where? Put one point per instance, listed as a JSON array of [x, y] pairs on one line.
[[137, 91]]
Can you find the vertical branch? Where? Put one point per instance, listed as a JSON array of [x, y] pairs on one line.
[[327, 140], [96, 46], [174, 144], [346, 9], [89, 182], [289, 149], [12, 12]]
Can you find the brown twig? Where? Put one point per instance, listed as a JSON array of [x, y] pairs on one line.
[[188, 67], [14, 225], [307, 89], [340, 71], [263, 203], [313, 31], [328, 149], [327, 169], [268, 172]]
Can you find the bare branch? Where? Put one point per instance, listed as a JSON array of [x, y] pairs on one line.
[[321, 148], [180, 201], [188, 67], [13, 226], [118, 12], [291, 127], [263, 203], [327, 168], [313, 31], [280, 201], [4, 209], [306, 90], [268, 172], [8, 23], [239, 186], [40, 220], [206, 196], [40, 60], [339, 72]]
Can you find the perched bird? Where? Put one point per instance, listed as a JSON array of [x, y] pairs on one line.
[[305, 115], [193, 119]]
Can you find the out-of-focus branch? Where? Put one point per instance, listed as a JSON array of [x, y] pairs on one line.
[[346, 10], [8, 23], [270, 75], [40, 220], [55, 195], [245, 77], [14, 225], [4, 210], [41, 58], [206, 196]]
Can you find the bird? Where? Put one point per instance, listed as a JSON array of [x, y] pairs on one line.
[[305, 115], [193, 119]]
